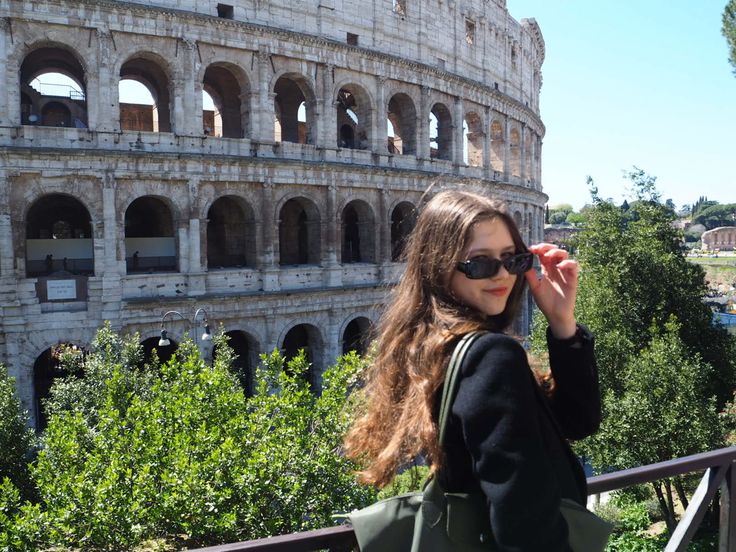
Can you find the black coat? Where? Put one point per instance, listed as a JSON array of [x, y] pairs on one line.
[[507, 439]]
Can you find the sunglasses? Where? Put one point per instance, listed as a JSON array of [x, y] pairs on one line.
[[483, 267]]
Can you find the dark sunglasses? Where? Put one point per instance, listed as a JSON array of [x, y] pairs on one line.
[[483, 267]]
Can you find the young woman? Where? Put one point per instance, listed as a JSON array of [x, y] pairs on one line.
[[466, 269]]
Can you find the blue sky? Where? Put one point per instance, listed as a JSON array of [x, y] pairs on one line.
[[644, 83]]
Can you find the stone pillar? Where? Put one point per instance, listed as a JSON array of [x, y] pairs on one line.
[[195, 234], [6, 31], [506, 149], [264, 108], [522, 155], [268, 260], [187, 107], [423, 148], [458, 138], [113, 235], [384, 233], [487, 166], [328, 124], [378, 129], [333, 271], [106, 118], [332, 348], [6, 229]]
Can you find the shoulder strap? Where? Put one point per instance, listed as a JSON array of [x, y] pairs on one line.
[[448, 391]]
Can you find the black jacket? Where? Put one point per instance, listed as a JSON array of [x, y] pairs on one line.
[[507, 439]]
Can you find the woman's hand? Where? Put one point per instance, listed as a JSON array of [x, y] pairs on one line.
[[555, 291]]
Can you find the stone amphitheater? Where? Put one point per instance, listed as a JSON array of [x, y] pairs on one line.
[[268, 176]]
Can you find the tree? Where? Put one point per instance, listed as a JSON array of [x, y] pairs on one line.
[[16, 438], [178, 452], [729, 30], [639, 295], [716, 215]]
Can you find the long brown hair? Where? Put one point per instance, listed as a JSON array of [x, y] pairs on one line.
[[416, 334]]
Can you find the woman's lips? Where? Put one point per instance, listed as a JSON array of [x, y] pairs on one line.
[[499, 292]]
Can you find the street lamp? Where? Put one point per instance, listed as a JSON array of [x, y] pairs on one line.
[[164, 341]]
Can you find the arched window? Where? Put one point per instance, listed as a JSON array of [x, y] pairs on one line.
[[163, 352], [246, 350], [224, 112], [358, 233], [299, 233], [58, 237], [150, 245], [145, 108], [308, 338], [403, 219], [356, 335], [231, 240], [53, 89], [440, 132], [292, 104], [401, 125], [46, 370], [353, 118]]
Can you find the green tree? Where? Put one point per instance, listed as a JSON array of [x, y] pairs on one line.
[[729, 30], [637, 292], [16, 438], [717, 215], [178, 452]]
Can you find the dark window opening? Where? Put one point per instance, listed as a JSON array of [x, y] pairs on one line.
[[352, 39], [225, 11]]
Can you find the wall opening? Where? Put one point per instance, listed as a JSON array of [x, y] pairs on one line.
[[223, 111], [403, 219], [353, 118], [299, 233], [293, 121], [58, 237], [231, 232], [356, 336], [150, 245], [136, 113], [401, 123], [358, 233], [440, 132], [308, 338]]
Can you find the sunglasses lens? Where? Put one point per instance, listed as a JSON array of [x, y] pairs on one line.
[[483, 268], [518, 264]]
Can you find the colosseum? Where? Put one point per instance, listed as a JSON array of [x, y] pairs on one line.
[[257, 164]]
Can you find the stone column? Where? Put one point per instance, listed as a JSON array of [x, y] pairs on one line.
[[384, 234], [487, 166], [113, 233], [379, 121], [264, 108], [328, 124], [6, 229], [6, 33], [423, 148], [187, 107], [333, 271], [458, 138], [522, 155], [195, 234], [506, 149], [268, 260], [105, 118]]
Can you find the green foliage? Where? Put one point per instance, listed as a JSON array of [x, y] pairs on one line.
[[179, 453], [408, 481], [716, 215], [729, 30], [16, 438], [665, 369]]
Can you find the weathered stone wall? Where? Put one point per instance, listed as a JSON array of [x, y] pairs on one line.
[[421, 58], [723, 238]]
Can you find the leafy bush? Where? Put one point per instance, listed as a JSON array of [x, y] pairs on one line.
[[16, 438], [406, 482], [179, 453]]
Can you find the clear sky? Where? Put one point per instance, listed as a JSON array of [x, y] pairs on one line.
[[635, 82]]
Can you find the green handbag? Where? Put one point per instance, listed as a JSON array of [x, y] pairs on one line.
[[435, 521]]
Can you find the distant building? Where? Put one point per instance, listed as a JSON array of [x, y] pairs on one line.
[[559, 234], [723, 238]]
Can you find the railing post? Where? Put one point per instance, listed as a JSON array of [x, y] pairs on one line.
[[727, 529]]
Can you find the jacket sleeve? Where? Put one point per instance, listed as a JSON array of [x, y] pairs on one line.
[[576, 402], [498, 415]]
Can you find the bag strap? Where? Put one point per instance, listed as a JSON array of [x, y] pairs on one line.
[[448, 391]]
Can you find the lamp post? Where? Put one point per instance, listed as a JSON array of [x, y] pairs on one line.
[[164, 340]]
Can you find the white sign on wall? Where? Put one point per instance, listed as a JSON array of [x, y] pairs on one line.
[[61, 289]]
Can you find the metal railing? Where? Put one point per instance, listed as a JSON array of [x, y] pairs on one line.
[[720, 474]]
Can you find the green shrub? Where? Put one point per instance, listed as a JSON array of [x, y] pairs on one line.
[[179, 454], [16, 438]]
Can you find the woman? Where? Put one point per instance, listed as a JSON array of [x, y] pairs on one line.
[[466, 270]]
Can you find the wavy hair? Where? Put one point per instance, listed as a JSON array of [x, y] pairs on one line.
[[416, 334]]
